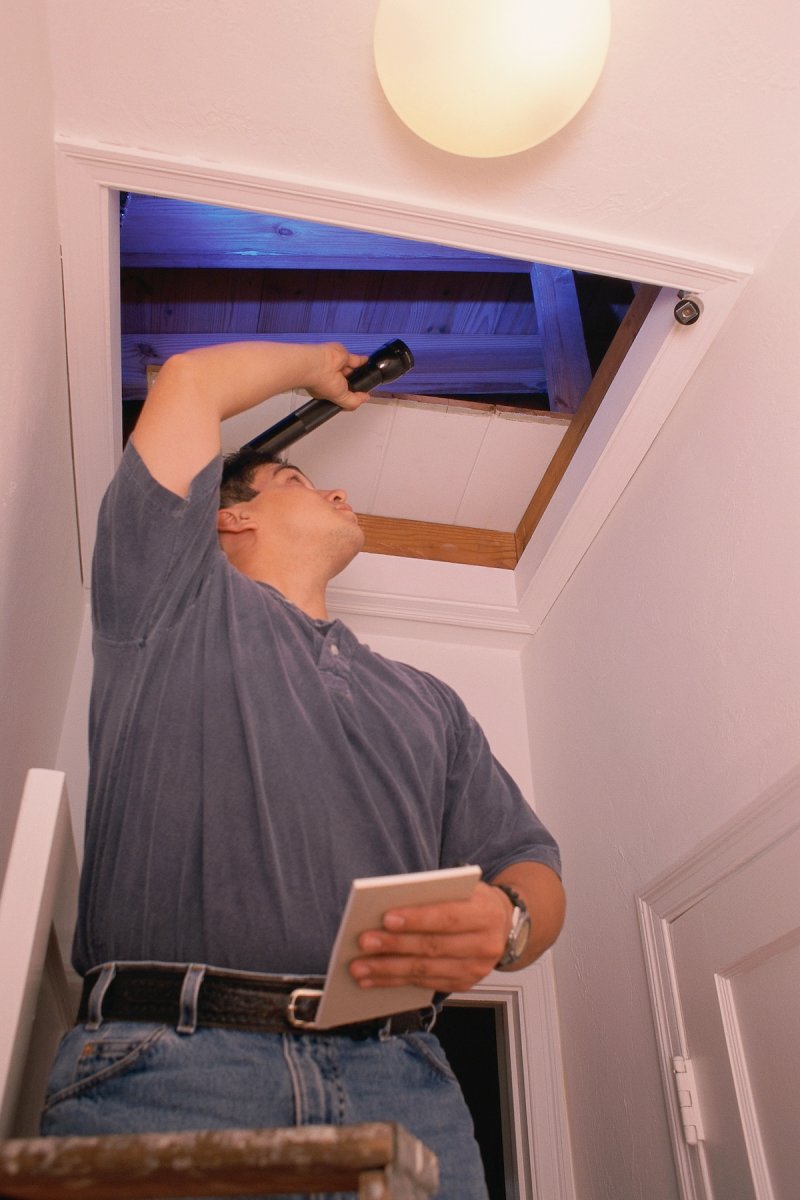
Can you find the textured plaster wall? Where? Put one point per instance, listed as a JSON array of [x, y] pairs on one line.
[[40, 590], [663, 695], [695, 103]]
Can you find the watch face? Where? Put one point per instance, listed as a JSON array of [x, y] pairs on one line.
[[520, 932]]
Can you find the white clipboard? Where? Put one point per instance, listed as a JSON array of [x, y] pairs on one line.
[[343, 1001]]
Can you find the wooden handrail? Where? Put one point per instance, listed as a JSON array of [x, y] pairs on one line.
[[379, 1161]]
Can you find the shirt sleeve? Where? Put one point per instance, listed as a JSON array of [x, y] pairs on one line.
[[153, 549], [488, 820]]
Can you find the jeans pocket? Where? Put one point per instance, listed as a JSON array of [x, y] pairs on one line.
[[86, 1059], [428, 1048]]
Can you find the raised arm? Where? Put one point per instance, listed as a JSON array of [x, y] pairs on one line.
[[178, 431]]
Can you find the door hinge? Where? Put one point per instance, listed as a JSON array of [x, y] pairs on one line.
[[688, 1103]]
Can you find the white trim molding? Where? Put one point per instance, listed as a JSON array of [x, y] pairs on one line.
[[540, 1166], [643, 393]]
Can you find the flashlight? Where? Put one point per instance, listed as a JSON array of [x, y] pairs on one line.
[[383, 365]]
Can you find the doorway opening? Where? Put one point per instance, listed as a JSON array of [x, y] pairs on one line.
[[476, 1041]]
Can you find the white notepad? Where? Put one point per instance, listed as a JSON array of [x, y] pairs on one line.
[[343, 1001]]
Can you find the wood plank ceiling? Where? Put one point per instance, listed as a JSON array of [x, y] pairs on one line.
[[511, 361]]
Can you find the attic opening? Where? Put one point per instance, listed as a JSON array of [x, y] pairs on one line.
[[512, 359]]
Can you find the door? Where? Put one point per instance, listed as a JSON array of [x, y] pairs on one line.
[[721, 938], [737, 965]]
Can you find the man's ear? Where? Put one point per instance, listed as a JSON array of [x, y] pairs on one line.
[[236, 519]]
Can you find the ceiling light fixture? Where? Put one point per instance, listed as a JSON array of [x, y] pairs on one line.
[[485, 78]]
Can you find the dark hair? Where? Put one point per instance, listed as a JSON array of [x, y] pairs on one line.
[[238, 470]]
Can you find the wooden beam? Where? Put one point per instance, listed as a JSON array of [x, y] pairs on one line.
[[623, 340], [269, 300], [442, 543], [443, 362], [484, 406], [558, 314], [158, 232]]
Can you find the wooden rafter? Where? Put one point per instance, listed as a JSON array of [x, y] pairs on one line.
[[178, 233], [612, 360], [516, 360], [442, 543], [563, 346]]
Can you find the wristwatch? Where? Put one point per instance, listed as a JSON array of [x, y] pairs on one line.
[[520, 930]]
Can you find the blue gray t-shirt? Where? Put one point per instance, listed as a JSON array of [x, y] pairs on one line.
[[248, 761]]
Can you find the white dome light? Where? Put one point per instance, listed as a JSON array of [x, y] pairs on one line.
[[485, 78]]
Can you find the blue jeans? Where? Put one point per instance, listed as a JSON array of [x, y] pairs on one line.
[[131, 1077]]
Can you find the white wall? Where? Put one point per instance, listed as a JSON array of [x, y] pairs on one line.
[[40, 591], [664, 694]]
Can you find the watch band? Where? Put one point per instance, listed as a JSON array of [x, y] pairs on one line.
[[519, 933]]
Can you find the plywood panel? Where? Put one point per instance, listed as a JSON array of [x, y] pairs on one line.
[[429, 462], [348, 452], [247, 425], [513, 457]]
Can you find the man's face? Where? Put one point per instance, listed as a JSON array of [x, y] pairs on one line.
[[288, 500]]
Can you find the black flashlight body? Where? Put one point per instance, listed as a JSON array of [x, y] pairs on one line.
[[386, 363]]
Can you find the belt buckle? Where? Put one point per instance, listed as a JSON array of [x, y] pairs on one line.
[[291, 1008]]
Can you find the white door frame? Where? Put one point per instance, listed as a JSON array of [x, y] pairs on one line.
[[540, 1158]]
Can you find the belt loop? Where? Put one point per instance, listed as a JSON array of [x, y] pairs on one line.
[[94, 1008], [187, 1005], [431, 1019]]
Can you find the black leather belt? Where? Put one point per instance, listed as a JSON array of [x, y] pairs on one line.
[[223, 999]]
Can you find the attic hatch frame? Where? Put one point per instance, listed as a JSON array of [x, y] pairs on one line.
[[180, 240], [576, 496]]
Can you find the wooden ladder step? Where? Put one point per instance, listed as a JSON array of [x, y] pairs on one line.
[[377, 1160]]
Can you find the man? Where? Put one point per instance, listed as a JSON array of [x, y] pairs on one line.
[[249, 758]]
